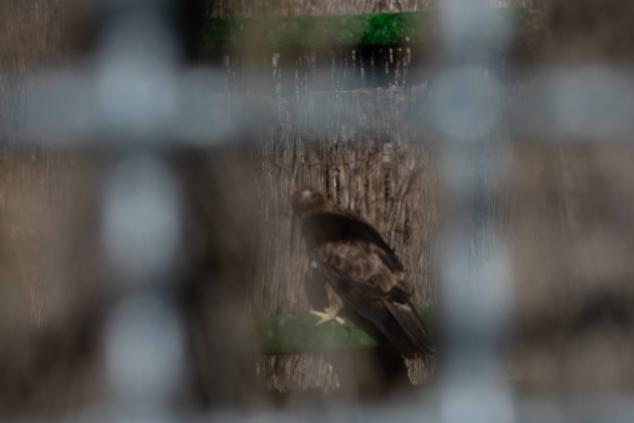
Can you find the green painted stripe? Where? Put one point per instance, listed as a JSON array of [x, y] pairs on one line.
[[310, 32], [376, 30], [288, 334]]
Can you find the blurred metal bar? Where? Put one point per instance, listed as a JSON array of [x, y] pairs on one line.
[[613, 410], [135, 99], [134, 94], [466, 105], [588, 103]]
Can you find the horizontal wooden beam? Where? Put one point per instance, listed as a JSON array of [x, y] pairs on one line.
[[289, 334], [311, 32], [306, 32]]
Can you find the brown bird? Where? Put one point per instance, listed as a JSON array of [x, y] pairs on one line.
[[364, 279]]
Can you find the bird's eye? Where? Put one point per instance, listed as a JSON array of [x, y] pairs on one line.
[[306, 194]]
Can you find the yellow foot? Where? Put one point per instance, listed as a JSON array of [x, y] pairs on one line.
[[326, 316]]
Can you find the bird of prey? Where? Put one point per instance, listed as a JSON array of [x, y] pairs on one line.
[[364, 279]]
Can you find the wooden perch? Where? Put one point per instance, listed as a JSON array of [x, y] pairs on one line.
[[289, 334]]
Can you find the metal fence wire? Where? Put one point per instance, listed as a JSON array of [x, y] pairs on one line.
[[135, 99]]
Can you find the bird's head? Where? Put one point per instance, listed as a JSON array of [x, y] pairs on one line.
[[307, 200]]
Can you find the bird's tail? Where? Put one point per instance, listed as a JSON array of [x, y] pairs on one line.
[[410, 333], [391, 368]]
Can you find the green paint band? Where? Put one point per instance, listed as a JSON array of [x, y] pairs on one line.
[[290, 334], [376, 30]]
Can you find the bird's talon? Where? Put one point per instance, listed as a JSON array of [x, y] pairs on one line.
[[327, 316]]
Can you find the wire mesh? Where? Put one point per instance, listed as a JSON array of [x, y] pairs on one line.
[[136, 96]]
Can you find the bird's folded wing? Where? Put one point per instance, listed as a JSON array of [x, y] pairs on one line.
[[397, 322]]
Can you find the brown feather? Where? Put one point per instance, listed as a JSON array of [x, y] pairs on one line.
[[364, 271]]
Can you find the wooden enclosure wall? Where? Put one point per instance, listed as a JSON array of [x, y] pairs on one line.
[[369, 162], [51, 264], [570, 226], [572, 238], [332, 7]]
